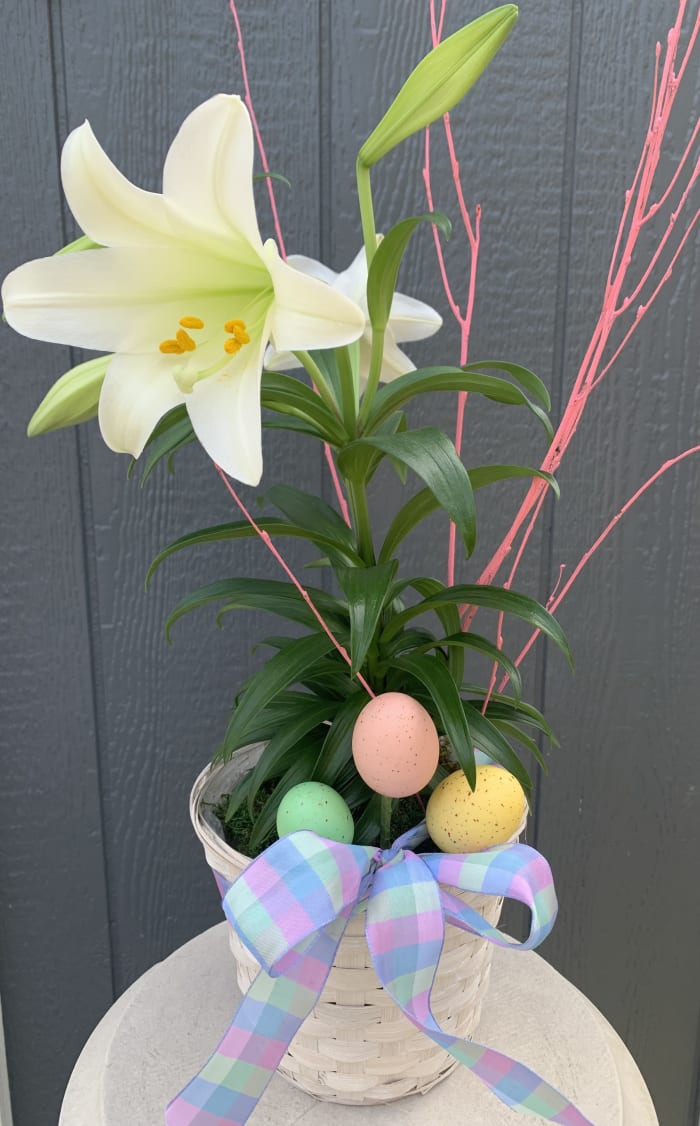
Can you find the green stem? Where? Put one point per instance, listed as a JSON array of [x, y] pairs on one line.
[[359, 510], [375, 370], [385, 809], [348, 391], [319, 381], [364, 195]]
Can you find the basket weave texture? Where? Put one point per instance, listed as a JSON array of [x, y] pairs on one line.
[[357, 1047]]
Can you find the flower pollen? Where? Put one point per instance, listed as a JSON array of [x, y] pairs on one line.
[[238, 338], [183, 342]]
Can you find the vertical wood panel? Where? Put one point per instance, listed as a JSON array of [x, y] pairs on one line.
[[619, 813], [55, 975], [136, 70]]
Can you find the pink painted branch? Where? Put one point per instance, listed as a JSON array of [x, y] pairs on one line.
[[590, 372], [256, 130], [554, 599], [330, 461], [643, 309], [655, 257], [654, 207], [278, 227], [265, 537]]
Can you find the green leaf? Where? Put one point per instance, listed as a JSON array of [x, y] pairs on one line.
[[288, 422], [410, 639], [502, 707], [296, 773], [72, 399], [283, 710], [524, 376], [487, 474], [425, 502], [366, 590], [493, 598], [336, 751], [440, 81], [177, 435], [238, 797], [514, 732], [384, 269], [274, 758], [287, 395], [368, 826], [82, 243], [490, 740], [273, 176], [481, 645], [239, 529], [433, 457], [423, 381], [312, 513], [447, 614], [435, 676], [280, 672], [263, 594]]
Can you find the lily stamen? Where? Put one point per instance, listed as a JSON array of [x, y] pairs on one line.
[[183, 342], [239, 336], [171, 347]]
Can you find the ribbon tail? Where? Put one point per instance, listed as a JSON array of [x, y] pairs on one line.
[[227, 1089], [513, 1083]]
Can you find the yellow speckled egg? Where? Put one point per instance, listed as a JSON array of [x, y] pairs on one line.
[[395, 745], [464, 820]]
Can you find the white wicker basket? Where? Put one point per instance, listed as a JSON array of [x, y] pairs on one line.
[[357, 1047]]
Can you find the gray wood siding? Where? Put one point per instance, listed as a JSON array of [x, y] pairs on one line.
[[104, 726]]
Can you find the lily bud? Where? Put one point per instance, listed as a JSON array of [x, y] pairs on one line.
[[439, 81], [72, 399]]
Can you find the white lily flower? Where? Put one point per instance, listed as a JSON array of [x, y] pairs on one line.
[[182, 290], [409, 319]]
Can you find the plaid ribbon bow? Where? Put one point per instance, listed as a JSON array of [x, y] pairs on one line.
[[291, 906]]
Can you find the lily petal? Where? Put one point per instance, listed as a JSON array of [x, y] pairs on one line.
[[118, 299], [225, 414], [136, 393], [106, 206], [208, 172], [353, 281], [394, 362], [312, 268], [307, 313], [411, 319]]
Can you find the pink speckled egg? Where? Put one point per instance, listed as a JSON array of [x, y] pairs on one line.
[[395, 745]]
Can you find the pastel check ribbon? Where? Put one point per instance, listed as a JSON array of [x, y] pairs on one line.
[[290, 908]]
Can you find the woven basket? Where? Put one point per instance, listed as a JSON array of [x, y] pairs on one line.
[[357, 1047]]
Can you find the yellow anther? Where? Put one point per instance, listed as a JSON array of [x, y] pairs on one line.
[[232, 346], [171, 347], [231, 326], [185, 340], [241, 336], [191, 322]]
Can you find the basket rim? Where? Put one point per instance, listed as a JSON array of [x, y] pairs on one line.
[[213, 839]]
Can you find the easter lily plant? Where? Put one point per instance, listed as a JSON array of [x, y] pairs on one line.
[[209, 335]]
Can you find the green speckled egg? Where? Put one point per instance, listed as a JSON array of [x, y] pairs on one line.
[[315, 806], [460, 819]]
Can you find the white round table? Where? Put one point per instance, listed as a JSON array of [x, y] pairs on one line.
[[160, 1032]]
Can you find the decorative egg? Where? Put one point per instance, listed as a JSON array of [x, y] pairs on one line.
[[460, 819], [395, 745], [315, 806]]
